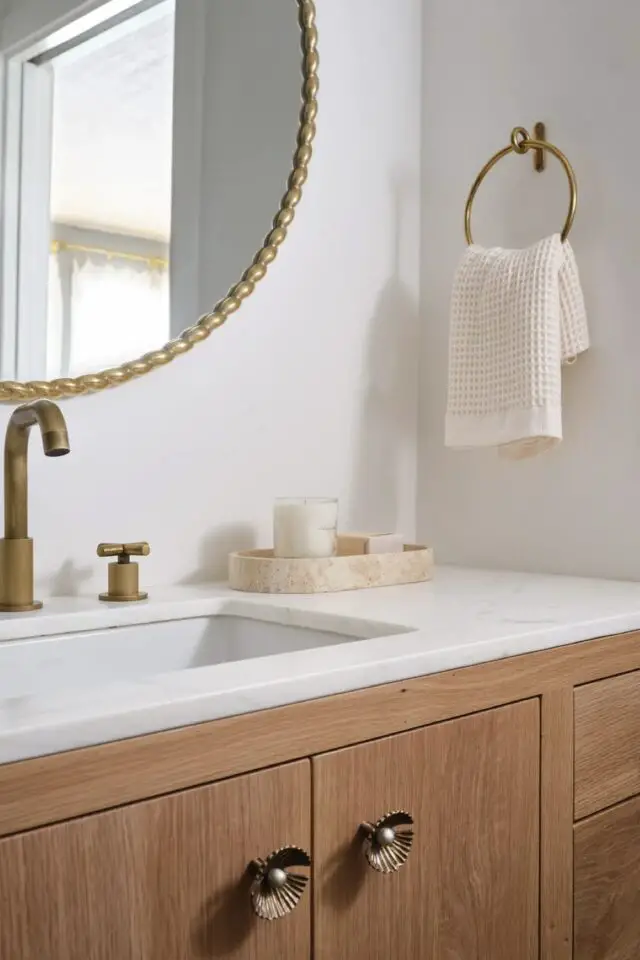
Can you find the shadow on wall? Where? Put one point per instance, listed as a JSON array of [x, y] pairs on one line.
[[68, 579], [215, 548], [387, 425]]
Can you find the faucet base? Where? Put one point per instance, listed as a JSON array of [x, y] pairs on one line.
[[36, 605], [109, 597], [16, 576]]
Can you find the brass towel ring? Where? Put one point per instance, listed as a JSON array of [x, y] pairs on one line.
[[521, 143]]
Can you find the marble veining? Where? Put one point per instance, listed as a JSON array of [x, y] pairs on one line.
[[460, 618]]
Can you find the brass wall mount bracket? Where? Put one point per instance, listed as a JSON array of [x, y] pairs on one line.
[[123, 574], [539, 156]]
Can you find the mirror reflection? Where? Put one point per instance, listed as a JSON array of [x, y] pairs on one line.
[[149, 145], [112, 131]]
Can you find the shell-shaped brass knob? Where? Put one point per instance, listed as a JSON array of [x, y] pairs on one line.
[[387, 842], [275, 892]]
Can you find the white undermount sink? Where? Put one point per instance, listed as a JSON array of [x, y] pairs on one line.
[[95, 658]]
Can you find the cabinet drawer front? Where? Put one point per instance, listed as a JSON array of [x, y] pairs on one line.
[[607, 885], [607, 758], [165, 879], [469, 888]]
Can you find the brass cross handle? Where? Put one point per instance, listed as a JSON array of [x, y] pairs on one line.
[[124, 550], [123, 575], [385, 846]]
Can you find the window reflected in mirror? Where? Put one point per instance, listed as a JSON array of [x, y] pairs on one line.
[[111, 145]]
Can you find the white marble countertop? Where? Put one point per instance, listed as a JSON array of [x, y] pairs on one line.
[[462, 617]]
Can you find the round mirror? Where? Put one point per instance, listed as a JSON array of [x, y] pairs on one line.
[[150, 147]]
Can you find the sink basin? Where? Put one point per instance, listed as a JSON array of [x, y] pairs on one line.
[[135, 652]]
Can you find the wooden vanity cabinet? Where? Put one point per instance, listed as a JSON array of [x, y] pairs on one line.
[[166, 879], [469, 888], [522, 777], [160, 880]]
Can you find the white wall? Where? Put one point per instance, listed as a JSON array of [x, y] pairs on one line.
[[489, 67], [311, 388]]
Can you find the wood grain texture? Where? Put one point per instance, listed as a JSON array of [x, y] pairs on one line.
[[49, 789], [161, 880], [607, 730], [556, 825], [470, 887], [607, 885]]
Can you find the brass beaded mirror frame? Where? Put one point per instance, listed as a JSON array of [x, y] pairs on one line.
[[17, 392]]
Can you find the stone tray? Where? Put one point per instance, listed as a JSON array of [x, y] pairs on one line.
[[258, 571]]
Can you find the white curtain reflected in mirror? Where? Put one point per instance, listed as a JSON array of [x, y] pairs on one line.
[[107, 103], [104, 309]]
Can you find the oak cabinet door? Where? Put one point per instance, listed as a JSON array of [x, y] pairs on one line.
[[470, 887], [607, 884], [161, 880]]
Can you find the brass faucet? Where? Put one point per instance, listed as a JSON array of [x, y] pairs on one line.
[[16, 549]]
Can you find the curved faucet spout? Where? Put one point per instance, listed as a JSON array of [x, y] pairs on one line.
[[55, 442]]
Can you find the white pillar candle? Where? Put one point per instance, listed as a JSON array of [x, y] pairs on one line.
[[305, 528]]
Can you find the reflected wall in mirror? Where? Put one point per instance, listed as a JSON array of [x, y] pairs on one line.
[[147, 147]]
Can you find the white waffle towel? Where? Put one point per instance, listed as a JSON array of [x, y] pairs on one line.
[[516, 317]]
